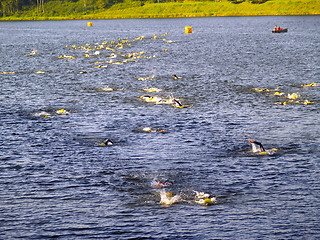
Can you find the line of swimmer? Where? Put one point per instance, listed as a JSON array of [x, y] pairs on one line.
[[88, 50], [112, 50], [116, 47]]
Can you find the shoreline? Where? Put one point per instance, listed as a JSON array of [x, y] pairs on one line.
[[14, 19]]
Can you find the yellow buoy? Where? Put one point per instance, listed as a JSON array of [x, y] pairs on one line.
[[188, 29], [89, 24]]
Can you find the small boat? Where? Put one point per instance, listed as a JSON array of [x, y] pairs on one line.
[[280, 30]]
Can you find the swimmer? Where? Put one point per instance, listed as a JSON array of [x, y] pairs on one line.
[[7, 72], [262, 90], [107, 142], [161, 184], [310, 85], [174, 76], [293, 95], [152, 90], [106, 89], [33, 52], [167, 198], [42, 114], [204, 198], [147, 129], [258, 148], [147, 98], [176, 103], [306, 102], [146, 78], [66, 57], [62, 112], [101, 66]]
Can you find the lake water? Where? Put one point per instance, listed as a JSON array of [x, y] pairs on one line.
[[237, 80]]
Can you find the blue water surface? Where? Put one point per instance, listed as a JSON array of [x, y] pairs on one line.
[[236, 81]]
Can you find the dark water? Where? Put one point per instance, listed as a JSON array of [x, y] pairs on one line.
[[58, 182]]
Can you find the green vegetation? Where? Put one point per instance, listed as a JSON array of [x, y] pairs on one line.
[[113, 9]]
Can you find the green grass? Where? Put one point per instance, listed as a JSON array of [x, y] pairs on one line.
[[206, 9], [176, 9]]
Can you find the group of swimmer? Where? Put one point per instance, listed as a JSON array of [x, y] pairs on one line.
[[168, 198], [201, 198], [289, 98], [257, 147], [46, 114], [162, 100], [115, 57], [115, 47]]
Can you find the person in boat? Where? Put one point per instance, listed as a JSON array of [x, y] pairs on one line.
[[275, 28], [278, 28]]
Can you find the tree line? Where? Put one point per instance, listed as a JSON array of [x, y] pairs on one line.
[[69, 7]]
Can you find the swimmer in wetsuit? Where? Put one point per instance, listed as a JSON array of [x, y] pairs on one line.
[[204, 198], [161, 184], [256, 146], [107, 142], [177, 103], [174, 76]]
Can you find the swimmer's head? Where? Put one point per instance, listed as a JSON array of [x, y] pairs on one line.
[[107, 142], [212, 197], [209, 200]]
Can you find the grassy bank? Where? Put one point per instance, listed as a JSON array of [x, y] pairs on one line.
[[185, 9], [207, 9]]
